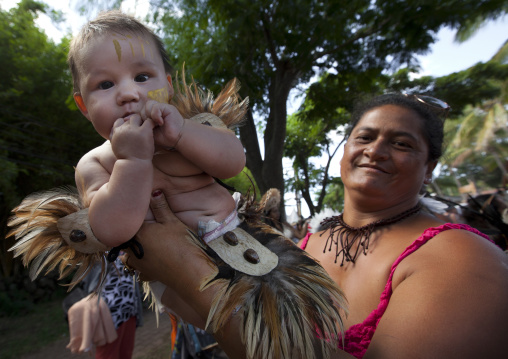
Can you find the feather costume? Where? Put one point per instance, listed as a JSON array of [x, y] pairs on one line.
[[283, 296]]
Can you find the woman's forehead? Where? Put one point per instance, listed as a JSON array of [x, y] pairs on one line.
[[392, 115]]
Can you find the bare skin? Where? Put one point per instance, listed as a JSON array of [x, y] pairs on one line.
[[117, 74]]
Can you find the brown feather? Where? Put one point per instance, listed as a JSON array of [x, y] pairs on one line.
[[191, 100], [284, 310], [39, 243]]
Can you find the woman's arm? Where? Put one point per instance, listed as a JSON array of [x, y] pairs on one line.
[[172, 260], [449, 301]]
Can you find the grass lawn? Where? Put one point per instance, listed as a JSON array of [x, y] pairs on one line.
[[26, 333]]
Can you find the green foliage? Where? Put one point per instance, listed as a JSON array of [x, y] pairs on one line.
[[471, 25], [244, 183], [274, 46], [13, 307], [334, 198], [41, 137], [472, 86], [306, 139]]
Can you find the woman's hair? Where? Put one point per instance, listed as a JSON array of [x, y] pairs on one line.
[[106, 23], [432, 121]]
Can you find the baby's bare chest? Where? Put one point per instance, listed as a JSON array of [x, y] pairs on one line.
[[172, 173]]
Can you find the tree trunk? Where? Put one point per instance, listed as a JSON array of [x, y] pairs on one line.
[[269, 172]]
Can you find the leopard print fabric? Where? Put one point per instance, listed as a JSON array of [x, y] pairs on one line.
[[119, 293]]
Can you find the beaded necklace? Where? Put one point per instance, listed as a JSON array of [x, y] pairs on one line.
[[347, 236]]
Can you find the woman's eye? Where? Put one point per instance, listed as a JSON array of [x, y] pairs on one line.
[[363, 138], [402, 144], [105, 85], [141, 78]]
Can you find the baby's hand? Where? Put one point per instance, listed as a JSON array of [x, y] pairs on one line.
[[168, 121], [131, 138]]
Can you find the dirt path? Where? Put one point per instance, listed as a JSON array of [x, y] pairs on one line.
[[151, 342]]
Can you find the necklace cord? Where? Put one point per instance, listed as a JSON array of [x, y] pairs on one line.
[[347, 236]]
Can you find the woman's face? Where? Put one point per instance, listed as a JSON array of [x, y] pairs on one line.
[[386, 155]]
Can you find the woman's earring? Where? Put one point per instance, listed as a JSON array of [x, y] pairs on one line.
[[427, 180]]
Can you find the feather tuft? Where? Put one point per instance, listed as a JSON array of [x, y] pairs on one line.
[[283, 311], [38, 240], [190, 100]]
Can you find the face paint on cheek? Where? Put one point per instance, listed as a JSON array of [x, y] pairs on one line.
[[160, 95], [118, 50]]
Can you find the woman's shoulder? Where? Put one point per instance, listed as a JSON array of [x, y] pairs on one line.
[[460, 246], [458, 279], [451, 253], [461, 240]]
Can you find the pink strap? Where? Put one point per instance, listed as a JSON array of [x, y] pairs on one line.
[[357, 338], [305, 240]]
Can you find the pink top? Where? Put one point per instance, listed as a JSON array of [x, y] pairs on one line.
[[357, 338]]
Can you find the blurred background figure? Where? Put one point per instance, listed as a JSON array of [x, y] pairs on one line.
[[270, 202], [109, 322]]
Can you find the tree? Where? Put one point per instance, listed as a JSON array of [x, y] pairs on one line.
[[273, 46], [42, 133]]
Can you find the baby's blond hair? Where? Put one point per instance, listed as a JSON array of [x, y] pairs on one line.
[[110, 22]]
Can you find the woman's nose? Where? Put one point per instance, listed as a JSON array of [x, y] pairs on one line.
[[127, 92], [376, 150]]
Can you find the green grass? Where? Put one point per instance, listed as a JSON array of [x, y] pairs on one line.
[[23, 334]]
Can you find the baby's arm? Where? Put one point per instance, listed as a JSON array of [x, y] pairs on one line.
[[120, 200], [218, 152]]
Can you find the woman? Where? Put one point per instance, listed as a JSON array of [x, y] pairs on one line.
[[443, 288]]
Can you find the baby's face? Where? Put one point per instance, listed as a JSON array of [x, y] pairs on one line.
[[118, 74]]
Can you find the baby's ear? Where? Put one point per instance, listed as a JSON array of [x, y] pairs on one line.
[[80, 103]]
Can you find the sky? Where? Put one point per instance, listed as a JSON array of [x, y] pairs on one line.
[[445, 55]]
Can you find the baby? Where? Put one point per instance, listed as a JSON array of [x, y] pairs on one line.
[[123, 87]]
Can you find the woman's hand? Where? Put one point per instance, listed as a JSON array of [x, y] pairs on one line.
[[170, 257]]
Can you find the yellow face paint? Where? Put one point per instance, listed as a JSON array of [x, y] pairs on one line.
[[160, 95], [142, 46], [118, 49]]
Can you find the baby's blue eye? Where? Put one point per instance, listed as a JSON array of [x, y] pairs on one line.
[[141, 78], [105, 85]]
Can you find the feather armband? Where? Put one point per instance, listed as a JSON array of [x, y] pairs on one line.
[[52, 230], [288, 306]]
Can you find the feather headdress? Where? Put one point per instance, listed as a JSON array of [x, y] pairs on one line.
[[270, 200], [192, 101]]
